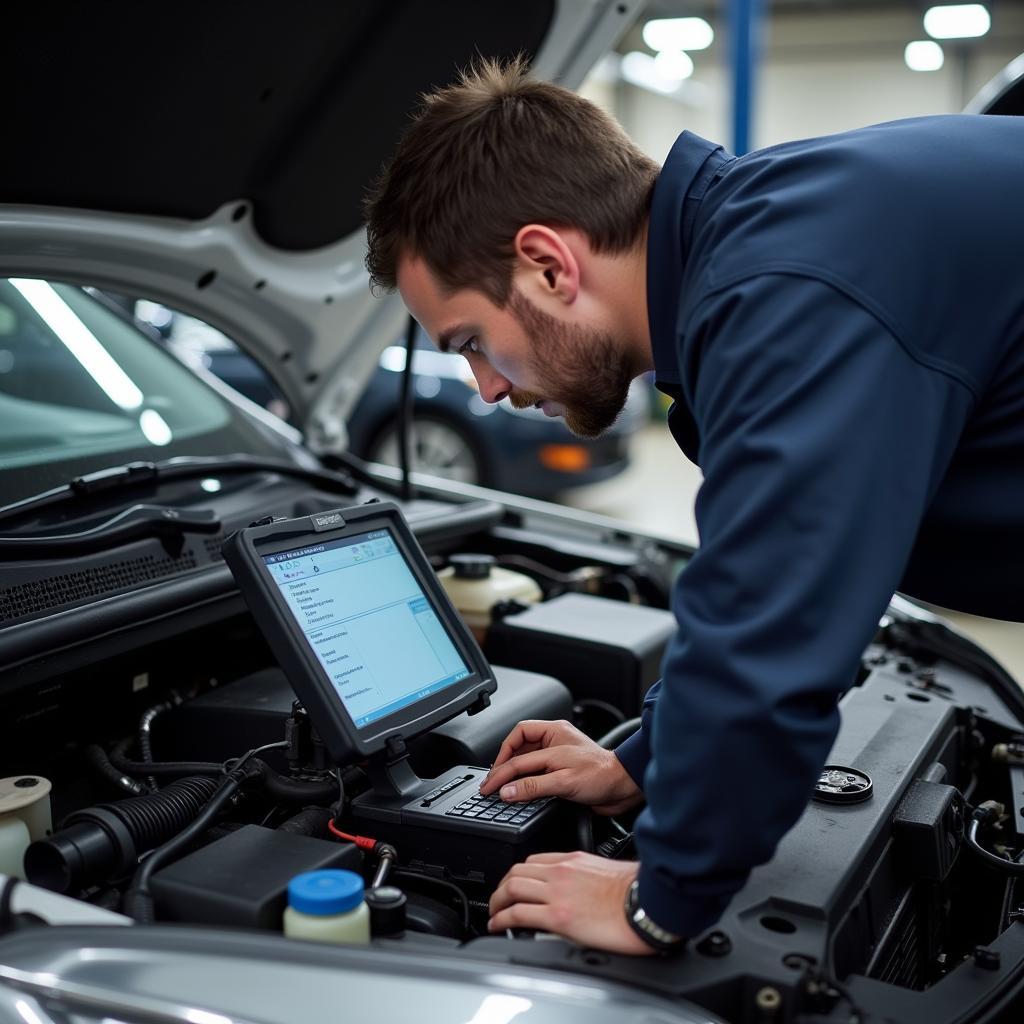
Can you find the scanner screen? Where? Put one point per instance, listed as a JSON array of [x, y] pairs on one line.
[[368, 622]]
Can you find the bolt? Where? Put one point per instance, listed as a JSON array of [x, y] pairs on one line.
[[717, 943], [768, 1000]]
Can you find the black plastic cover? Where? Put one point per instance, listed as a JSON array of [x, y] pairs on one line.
[[242, 880], [601, 649]]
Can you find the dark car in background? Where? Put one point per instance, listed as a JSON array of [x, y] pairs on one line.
[[455, 434]]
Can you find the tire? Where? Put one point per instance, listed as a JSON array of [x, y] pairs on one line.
[[437, 446]]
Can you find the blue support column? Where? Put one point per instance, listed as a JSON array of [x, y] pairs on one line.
[[744, 33]]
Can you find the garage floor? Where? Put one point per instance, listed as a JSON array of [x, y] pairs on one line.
[[657, 493]]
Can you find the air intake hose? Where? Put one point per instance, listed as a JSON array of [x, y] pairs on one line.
[[104, 842]]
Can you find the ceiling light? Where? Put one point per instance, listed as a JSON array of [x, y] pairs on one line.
[[678, 34], [641, 70], [957, 21], [673, 65], [923, 55]]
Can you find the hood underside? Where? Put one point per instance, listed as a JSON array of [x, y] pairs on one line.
[[176, 110]]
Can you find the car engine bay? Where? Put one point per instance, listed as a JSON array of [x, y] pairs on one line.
[[142, 701]]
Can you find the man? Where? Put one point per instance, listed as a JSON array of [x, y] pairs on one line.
[[841, 325]]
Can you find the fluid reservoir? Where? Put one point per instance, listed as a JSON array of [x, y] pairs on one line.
[[24, 818], [327, 906], [475, 585]]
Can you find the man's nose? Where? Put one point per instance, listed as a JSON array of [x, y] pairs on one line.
[[493, 386]]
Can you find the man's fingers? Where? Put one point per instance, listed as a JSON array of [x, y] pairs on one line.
[[535, 762], [531, 734], [506, 753], [553, 857], [533, 787], [522, 915], [517, 889]]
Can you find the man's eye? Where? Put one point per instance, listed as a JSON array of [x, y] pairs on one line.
[[470, 345]]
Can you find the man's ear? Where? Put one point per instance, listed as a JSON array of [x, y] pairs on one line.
[[546, 266]]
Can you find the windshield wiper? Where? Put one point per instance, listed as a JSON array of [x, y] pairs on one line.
[[134, 474]]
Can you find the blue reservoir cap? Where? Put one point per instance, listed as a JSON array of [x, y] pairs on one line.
[[322, 893]]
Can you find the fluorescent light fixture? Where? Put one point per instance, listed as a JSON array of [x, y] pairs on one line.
[[957, 21], [923, 55], [80, 342], [678, 34], [640, 69], [674, 65], [155, 428]]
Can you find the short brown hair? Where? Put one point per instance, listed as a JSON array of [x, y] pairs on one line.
[[491, 153]]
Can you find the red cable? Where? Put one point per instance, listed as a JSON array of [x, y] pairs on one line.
[[363, 842]]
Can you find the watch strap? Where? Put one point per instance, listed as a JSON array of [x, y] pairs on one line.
[[640, 921]]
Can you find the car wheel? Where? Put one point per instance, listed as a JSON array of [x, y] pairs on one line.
[[436, 447]]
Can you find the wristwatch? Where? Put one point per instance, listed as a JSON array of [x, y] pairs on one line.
[[640, 921]]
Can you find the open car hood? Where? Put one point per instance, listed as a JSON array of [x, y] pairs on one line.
[[214, 157], [1003, 94]]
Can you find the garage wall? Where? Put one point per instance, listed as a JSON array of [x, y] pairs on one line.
[[820, 74]]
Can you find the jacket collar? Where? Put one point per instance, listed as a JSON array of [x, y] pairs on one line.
[[688, 171]]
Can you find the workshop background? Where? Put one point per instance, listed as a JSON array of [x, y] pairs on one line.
[[750, 74]]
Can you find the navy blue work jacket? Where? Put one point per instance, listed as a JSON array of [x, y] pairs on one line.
[[840, 322]]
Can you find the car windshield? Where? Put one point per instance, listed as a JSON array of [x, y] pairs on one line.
[[81, 389]]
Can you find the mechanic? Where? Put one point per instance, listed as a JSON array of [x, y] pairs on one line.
[[840, 323]]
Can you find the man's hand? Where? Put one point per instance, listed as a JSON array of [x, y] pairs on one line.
[[541, 759], [577, 895]]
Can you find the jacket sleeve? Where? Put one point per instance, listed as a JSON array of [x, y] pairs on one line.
[[635, 752], [822, 440]]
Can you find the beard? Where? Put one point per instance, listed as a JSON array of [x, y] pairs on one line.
[[585, 371]]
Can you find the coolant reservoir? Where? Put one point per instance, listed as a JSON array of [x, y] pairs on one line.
[[24, 818], [475, 585]]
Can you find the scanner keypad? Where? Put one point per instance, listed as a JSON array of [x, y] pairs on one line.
[[493, 809]]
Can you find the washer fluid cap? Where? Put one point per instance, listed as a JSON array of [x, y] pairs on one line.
[[472, 567], [321, 893], [840, 785]]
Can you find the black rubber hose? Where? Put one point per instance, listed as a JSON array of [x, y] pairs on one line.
[[99, 843], [152, 820], [138, 901], [310, 821], [162, 768], [97, 758], [585, 829], [146, 734], [1009, 867], [298, 791], [621, 733]]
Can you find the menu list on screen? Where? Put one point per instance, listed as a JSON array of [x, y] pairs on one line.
[[368, 622]]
